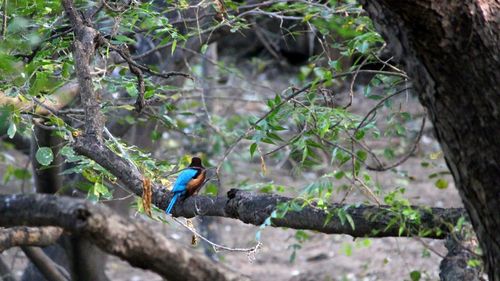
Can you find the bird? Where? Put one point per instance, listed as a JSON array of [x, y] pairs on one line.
[[189, 182]]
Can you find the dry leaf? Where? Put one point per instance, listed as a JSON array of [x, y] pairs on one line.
[[147, 193], [263, 166], [221, 9], [194, 238]]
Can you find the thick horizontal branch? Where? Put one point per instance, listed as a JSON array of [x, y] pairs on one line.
[[372, 221], [28, 236], [368, 220], [132, 240]]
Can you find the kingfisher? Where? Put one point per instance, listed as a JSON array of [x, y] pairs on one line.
[[188, 182]]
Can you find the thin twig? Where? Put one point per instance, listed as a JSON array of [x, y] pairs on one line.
[[367, 189], [353, 81], [429, 247], [286, 100], [262, 38], [287, 143], [379, 104], [410, 152], [218, 246], [122, 9], [4, 19], [130, 60], [120, 148]]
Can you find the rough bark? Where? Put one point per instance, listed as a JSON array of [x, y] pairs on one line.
[[84, 46], [450, 49], [28, 236], [455, 265], [131, 240]]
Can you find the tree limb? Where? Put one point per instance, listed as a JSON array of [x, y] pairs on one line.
[[28, 236], [45, 265], [254, 209], [131, 240], [83, 52]]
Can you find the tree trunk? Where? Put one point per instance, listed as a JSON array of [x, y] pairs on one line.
[[450, 49], [87, 261]]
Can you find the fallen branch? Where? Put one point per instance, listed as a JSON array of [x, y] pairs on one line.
[[28, 236], [131, 240]]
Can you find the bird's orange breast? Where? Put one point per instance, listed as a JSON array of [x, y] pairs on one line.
[[195, 184]]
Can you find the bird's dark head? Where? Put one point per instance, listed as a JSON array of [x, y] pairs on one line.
[[196, 162]]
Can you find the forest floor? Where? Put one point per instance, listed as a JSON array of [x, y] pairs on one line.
[[321, 257]]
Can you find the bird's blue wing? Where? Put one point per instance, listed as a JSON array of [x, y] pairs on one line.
[[183, 179]]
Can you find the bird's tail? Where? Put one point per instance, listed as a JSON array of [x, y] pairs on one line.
[[172, 203]]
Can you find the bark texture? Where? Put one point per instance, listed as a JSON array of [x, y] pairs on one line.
[[450, 49], [28, 236], [455, 265], [131, 240]]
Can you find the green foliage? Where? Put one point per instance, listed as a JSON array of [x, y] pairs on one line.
[[415, 275], [17, 173], [44, 156], [315, 131]]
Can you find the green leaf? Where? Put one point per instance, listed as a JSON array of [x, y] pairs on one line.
[[401, 230], [253, 147], [174, 45], [274, 136], [415, 275], [12, 130], [211, 189], [359, 134], [473, 262], [389, 153], [347, 249], [342, 216], [44, 156], [362, 155], [441, 183], [124, 39], [204, 48], [350, 220], [340, 174]]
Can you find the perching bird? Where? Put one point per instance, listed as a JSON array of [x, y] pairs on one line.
[[188, 182]]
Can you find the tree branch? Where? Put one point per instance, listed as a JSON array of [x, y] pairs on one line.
[[28, 236], [83, 52], [254, 209], [45, 265], [131, 240]]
